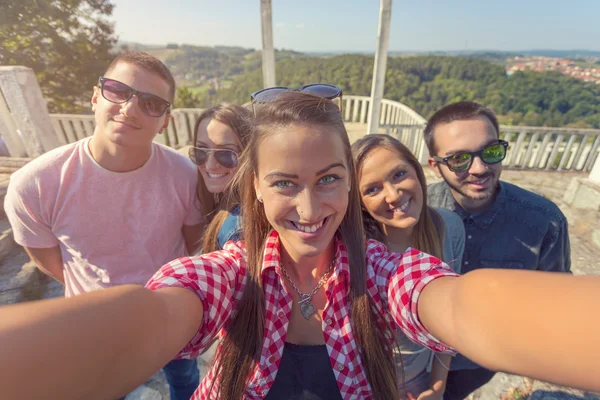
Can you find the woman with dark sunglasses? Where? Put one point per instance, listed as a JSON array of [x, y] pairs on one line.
[[220, 135], [307, 308]]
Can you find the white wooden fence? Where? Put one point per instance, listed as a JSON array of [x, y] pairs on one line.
[[530, 147]]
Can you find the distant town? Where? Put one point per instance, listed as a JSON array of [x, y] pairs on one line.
[[587, 69]]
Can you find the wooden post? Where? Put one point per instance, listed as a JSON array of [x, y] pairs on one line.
[[268, 51], [27, 129], [383, 36]]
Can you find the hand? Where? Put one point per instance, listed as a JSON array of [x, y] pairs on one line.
[[426, 395]]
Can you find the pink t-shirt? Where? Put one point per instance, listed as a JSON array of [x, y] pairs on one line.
[[112, 228]]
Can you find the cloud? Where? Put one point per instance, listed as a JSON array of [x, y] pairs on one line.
[[279, 25], [300, 26]]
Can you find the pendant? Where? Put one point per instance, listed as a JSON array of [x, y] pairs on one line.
[[306, 308]]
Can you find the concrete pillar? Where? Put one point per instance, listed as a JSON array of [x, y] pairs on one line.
[[584, 193], [383, 37], [26, 128], [268, 51]]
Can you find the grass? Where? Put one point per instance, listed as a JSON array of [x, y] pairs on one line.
[[519, 393]]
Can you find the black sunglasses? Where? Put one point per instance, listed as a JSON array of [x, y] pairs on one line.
[[119, 93], [227, 158], [324, 90], [460, 162]]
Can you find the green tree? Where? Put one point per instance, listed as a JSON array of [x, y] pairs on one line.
[[68, 44], [185, 98]]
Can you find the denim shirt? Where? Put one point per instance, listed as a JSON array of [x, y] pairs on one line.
[[231, 229], [520, 230]]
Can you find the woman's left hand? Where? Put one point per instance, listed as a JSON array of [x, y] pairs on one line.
[[427, 395]]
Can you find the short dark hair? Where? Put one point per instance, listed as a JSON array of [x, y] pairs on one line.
[[149, 63], [456, 112]]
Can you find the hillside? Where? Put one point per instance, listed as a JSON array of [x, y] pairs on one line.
[[426, 83], [423, 82]]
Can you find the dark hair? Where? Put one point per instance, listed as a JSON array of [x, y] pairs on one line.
[[456, 112], [149, 63], [216, 207], [428, 233], [240, 348]]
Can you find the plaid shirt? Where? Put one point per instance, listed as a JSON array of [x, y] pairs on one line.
[[219, 279]]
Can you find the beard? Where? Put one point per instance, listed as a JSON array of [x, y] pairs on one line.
[[462, 188]]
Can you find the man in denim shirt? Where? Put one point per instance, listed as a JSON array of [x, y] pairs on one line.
[[505, 226]]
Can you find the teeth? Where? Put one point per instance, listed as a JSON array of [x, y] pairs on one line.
[[215, 176], [402, 207], [309, 228]]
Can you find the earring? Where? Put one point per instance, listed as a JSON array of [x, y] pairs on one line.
[[348, 188], [259, 197]]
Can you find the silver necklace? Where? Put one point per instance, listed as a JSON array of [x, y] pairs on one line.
[[306, 308]]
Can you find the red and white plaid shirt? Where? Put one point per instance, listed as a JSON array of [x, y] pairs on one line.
[[394, 282]]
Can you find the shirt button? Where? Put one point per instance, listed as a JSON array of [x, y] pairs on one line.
[[281, 314], [272, 359], [466, 263], [329, 321], [340, 367], [469, 237]]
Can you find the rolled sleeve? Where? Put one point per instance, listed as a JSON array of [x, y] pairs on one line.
[[212, 278], [406, 284]]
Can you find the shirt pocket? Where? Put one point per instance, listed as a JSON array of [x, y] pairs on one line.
[[502, 264]]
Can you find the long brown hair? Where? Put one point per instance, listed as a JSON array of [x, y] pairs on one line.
[[216, 207], [428, 233], [240, 349]]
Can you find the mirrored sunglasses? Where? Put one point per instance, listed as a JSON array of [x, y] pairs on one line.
[[324, 90], [460, 162]]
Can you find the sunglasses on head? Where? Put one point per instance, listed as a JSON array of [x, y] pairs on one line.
[[119, 93], [326, 91], [227, 158], [460, 162]]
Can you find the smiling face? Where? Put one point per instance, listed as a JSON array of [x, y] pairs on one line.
[[214, 135], [302, 178], [125, 124], [390, 189], [475, 188]]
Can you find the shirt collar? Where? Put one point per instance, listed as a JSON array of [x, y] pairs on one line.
[[272, 258], [486, 217]]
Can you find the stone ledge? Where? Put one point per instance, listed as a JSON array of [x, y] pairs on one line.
[[582, 193]]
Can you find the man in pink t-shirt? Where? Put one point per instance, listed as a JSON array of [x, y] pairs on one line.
[[113, 208]]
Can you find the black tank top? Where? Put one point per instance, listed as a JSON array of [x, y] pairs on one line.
[[305, 373]]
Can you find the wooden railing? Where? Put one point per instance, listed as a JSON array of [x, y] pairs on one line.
[[71, 127], [530, 147]]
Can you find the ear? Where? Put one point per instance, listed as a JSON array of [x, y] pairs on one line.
[[435, 166], [257, 189], [95, 95], [165, 125]]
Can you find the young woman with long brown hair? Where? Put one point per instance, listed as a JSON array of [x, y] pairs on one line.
[[393, 192], [221, 133], [302, 290]]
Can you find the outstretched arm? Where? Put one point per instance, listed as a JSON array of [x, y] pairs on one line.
[[108, 342], [520, 322]]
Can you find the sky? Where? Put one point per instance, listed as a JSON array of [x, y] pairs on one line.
[[351, 25]]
